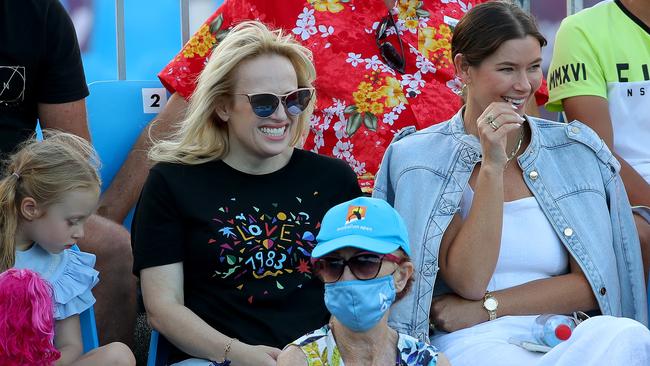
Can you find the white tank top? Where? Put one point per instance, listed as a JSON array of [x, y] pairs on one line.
[[530, 248]]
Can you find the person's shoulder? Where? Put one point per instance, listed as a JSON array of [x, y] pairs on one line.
[[409, 136], [165, 171], [73, 285], [171, 169], [417, 143], [317, 161], [413, 349], [590, 18], [36, 11], [312, 337], [558, 134]]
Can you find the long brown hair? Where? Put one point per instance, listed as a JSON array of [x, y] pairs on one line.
[[43, 170]]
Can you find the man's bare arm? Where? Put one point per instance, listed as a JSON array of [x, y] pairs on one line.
[[68, 117], [124, 191]]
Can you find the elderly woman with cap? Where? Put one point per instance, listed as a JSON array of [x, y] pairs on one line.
[[362, 255]]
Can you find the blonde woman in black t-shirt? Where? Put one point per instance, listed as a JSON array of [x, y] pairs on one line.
[[228, 217]]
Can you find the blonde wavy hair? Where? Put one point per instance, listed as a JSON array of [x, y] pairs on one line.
[[202, 136], [43, 170]]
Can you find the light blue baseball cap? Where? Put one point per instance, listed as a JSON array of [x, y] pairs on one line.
[[365, 223]]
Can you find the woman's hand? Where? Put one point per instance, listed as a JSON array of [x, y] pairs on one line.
[[451, 312], [242, 354], [494, 125]]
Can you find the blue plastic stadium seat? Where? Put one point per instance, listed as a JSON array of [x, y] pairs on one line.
[[118, 110], [88, 325], [158, 349], [89, 330], [117, 113]]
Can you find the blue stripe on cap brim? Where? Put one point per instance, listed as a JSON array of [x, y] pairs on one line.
[[354, 241]]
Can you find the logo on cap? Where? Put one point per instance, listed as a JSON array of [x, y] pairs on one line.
[[355, 213]]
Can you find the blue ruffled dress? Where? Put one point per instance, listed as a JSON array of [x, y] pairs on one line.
[[70, 273]]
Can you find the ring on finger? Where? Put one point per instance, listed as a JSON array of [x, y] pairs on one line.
[[489, 119]]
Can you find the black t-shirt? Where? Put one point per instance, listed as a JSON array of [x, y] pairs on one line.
[[40, 62], [244, 240]]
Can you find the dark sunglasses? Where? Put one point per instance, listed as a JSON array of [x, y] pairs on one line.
[[364, 266], [388, 53], [295, 102]]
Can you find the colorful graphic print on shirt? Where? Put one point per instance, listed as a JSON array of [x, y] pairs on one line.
[[270, 245]]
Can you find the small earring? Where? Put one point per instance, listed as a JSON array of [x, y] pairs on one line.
[[462, 92]]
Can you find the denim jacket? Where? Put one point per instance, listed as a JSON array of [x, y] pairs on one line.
[[571, 173]]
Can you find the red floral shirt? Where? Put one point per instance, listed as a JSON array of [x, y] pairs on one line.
[[362, 102]]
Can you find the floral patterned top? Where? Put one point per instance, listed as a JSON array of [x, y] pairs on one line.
[[362, 102], [320, 349]]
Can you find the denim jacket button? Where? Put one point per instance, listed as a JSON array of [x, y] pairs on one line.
[[568, 231], [603, 291], [575, 130], [533, 175]]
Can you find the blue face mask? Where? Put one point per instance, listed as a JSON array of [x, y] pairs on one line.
[[358, 304]]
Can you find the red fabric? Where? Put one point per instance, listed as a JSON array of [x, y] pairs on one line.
[[354, 87]]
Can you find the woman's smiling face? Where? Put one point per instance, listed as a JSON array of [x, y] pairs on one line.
[[511, 74], [253, 138]]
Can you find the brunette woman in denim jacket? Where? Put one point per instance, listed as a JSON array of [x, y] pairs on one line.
[[520, 216]]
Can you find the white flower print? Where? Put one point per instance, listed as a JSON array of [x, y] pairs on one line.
[[413, 82], [423, 22], [401, 27], [319, 141], [325, 31], [373, 29], [339, 105], [336, 109], [359, 167], [399, 108], [393, 115], [305, 25], [354, 59], [465, 7], [456, 85], [342, 150], [423, 64], [386, 68], [339, 128], [373, 62], [390, 118]]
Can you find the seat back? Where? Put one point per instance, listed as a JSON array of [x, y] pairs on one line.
[[88, 330], [118, 110], [88, 326], [158, 349]]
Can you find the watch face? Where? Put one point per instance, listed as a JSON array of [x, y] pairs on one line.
[[490, 303]]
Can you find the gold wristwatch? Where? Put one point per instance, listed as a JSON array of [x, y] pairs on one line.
[[490, 304]]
